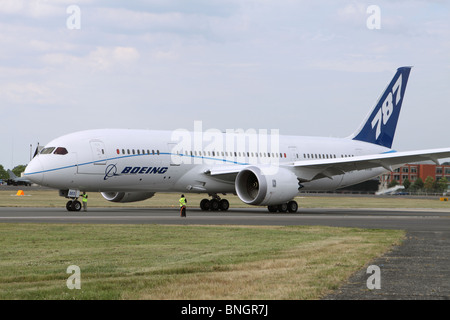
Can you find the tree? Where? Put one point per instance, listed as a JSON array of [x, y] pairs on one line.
[[406, 184], [393, 183], [442, 184], [428, 184], [18, 170], [418, 184], [3, 173]]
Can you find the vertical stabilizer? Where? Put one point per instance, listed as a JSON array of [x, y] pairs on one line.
[[379, 127]]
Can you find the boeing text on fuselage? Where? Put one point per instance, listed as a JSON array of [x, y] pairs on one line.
[[111, 171]]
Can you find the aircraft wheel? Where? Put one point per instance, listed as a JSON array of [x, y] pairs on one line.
[[272, 208], [204, 204], [214, 204], [76, 205], [283, 207], [69, 205], [292, 206], [224, 204]]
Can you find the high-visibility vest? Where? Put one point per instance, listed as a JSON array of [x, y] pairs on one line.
[[84, 197], [182, 202]]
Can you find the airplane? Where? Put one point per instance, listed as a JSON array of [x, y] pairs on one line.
[[128, 165], [15, 180]]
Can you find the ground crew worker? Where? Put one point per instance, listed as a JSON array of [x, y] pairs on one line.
[[85, 197], [183, 202]]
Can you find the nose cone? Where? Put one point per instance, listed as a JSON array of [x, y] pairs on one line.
[[35, 171]]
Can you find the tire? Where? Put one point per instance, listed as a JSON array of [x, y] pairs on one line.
[[76, 205], [214, 205], [205, 204], [69, 205], [283, 207], [224, 204], [272, 208], [292, 206]]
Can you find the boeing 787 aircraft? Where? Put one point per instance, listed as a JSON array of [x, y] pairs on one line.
[[263, 170]]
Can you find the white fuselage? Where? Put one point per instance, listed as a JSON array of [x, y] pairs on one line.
[[109, 160]]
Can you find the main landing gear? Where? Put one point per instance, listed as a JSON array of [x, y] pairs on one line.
[[290, 206], [215, 204]]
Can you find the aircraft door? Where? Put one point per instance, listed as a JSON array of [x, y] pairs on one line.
[[174, 154], [95, 162], [293, 156], [98, 152]]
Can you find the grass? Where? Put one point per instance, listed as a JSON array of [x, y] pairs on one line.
[[188, 262], [183, 262], [50, 198]]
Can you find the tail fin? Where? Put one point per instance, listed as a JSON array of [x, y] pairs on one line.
[[379, 127], [11, 174]]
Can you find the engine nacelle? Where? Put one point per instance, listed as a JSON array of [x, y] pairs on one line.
[[127, 196], [266, 185]]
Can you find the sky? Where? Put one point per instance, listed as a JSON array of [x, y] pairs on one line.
[[311, 68]]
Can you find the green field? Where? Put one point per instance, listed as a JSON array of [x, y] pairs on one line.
[[50, 198], [183, 262], [188, 262]]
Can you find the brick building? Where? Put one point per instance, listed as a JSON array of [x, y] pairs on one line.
[[414, 171]]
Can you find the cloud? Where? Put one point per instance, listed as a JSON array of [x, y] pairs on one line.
[[26, 93], [355, 63], [106, 58], [31, 8], [99, 59]]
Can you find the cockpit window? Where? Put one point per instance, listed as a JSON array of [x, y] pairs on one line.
[[61, 150], [47, 150]]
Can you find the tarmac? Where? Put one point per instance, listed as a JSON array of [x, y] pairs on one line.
[[419, 269]]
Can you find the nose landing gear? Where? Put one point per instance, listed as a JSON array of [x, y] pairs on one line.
[[73, 205]]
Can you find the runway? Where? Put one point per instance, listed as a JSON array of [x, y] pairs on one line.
[[417, 269], [405, 219]]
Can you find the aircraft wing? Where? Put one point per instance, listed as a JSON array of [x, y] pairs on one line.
[[315, 169], [226, 173], [309, 170]]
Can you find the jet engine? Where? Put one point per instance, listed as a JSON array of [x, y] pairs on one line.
[[127, 196], [266, 185]]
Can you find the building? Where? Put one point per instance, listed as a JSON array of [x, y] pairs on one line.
[[414, 171]]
